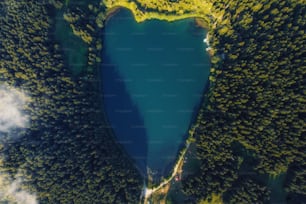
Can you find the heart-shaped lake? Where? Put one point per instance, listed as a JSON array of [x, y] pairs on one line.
[[154, 75]]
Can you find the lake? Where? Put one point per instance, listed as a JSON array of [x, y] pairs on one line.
[[154, 75]]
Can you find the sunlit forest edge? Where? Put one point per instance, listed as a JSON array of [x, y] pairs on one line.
[[249, 132]]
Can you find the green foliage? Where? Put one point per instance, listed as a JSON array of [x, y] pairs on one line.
[[247, 191], [296, 182], [69, 152], [87, 23], [256, 97], [218, 168]]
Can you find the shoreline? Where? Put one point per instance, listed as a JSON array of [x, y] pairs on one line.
[[148, 192], [199, 21], [111, 12], [99, 72], [154, 15]]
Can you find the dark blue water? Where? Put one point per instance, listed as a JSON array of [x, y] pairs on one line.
[[154, 75]]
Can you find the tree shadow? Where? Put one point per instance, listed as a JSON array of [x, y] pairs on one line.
[[123, 115]]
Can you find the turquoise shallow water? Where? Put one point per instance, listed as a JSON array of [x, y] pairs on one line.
[[154, 75]]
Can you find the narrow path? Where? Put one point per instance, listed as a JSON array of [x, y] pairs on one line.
[[147, 192]]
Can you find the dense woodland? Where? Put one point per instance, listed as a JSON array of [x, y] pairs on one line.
[[253, 119], [252, 124], [68, 155], [256, 100]]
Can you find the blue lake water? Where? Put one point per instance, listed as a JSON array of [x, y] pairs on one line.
[[154, 75]]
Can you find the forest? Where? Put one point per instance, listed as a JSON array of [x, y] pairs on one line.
[[255, 108], [168, 10], [68, 154], [250, 129], [251, 126]]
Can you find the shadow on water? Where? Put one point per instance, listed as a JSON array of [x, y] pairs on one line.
[[164, 61], [123, 115]]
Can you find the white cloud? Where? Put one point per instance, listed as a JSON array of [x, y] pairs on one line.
[[11, 191], [12, 116], [12, 103]]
